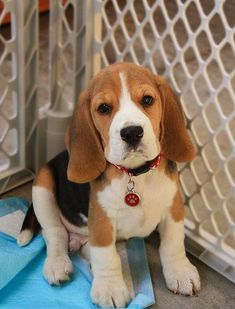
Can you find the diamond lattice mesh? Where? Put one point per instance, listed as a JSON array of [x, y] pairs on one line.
[[191, 43], [8, 101], [68, 52], [18, 91]]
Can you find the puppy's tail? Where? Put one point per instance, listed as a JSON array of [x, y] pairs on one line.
[[30, 228]]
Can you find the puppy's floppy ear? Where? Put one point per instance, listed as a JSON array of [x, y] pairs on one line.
[[86, 155], [175, 141]]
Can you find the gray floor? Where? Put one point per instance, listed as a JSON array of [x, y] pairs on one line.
[[217, 292]]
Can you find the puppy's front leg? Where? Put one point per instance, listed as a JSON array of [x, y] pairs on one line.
[[180, 275], [108, 288]]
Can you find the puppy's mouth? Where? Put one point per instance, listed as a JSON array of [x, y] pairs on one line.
[[131, 156], [133, 152], [135, 157]]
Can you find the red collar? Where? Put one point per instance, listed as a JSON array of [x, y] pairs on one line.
[[149, 165]]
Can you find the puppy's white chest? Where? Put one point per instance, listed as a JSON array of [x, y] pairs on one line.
[[156, 191]]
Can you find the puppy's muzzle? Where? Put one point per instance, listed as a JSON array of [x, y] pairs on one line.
[[132, 135]]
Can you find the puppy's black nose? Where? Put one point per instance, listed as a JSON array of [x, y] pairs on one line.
[[132, 135]]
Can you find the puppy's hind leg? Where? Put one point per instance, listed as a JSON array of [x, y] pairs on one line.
[[58, 266]]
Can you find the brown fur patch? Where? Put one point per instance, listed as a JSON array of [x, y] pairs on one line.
[[88, 134], [86, 156], [106, 88], [45, 179], [100, 226], [177, 209], [170, 169], [175, 140], [111, 172]]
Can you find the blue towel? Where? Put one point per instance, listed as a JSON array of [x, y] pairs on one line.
[[22, 284]]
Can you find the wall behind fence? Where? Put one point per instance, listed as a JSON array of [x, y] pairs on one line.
[[192, 44]]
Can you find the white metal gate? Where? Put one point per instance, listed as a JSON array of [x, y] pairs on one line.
[[18, 92], [73, 25], [190, 42]]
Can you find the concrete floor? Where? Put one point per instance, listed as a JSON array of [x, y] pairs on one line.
[[216, 293]]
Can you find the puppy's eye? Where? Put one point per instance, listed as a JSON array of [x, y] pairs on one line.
[[147, 100], [105, 109]]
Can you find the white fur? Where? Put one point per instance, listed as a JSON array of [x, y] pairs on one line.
[[156, 191], [84, 218], [108, 288], [45, 207], [58, 266], [130, 115]]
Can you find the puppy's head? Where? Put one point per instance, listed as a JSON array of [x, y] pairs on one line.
[[127, 116]]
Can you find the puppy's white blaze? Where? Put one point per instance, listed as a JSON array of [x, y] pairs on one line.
[[129, 114]]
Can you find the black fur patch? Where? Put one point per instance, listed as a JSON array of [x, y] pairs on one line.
[[171, 166], [31, 221], [72, 198]]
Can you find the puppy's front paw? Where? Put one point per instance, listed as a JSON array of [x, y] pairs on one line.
[[110, 292], [57, 269], [182, 277]]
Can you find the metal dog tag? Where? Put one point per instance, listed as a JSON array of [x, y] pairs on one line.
[[132, 199]]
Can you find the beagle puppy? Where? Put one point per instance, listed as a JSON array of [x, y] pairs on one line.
[[118, 179]]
